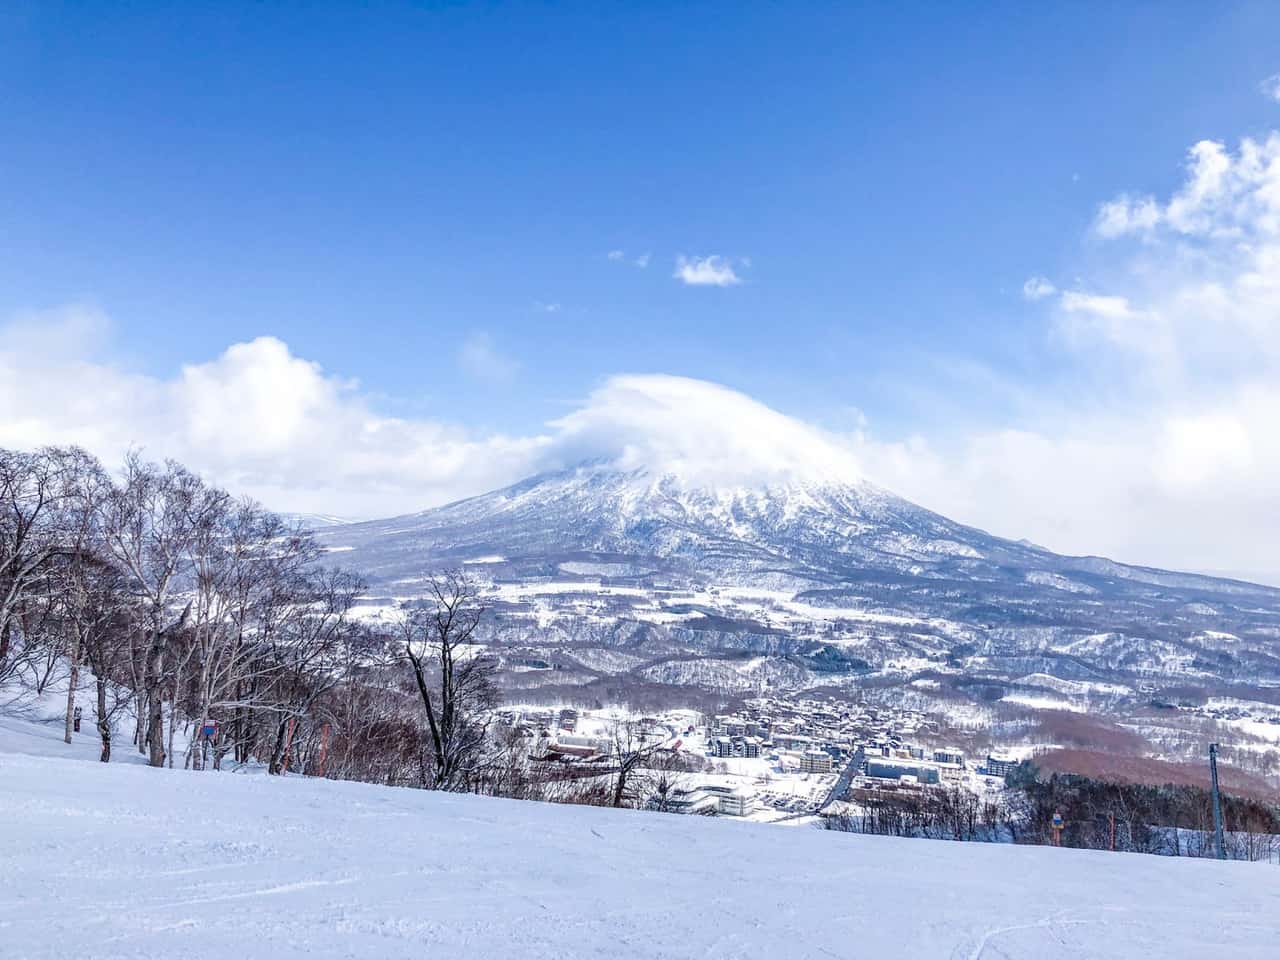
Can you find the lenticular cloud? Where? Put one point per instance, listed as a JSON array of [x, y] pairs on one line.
[[699, 431]]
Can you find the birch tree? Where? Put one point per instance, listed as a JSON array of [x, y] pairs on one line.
[[149, 525]]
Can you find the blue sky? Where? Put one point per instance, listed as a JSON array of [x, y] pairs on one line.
[[371, 188], [424, 199]]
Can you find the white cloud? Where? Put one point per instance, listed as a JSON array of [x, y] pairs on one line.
[[1185, 489], [640, 261], [546, 307], [268, 423], [74, 331], [1126, 215], [1098, 305], [1270, 87], [1188, 483], [1090, 317], [480, 357], [1224, 196], [256, 418], [1037, 288], [701, 431], [1160, 443], [712, 271]]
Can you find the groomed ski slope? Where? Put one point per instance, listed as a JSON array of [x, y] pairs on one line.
[[123, 861]]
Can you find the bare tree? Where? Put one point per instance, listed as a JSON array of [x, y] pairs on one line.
[[250, 572], [80, 567], [149, 524], [454, 679], [377, 735], [102, 614], [633, 751], [306, 647], [34, 488]]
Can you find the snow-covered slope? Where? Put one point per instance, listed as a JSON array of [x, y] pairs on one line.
[[123, 861]]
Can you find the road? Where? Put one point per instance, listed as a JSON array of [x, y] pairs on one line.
[[842, 782]]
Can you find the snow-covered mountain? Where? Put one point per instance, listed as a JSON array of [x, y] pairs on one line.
[[659, 522], [632, 522], [844, 575]]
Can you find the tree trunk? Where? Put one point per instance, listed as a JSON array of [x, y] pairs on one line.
[[620, 789], [139, 721], [155, 699], [72, 680], [200, 751], [173, 724], [277, 754], [104, 725], [155, 727]]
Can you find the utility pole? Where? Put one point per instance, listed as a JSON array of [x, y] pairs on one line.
[[1217, 802]]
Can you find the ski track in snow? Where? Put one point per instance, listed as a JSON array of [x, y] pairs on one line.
[[123, 861]]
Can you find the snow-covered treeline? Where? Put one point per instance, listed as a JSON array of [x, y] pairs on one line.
[[208, 630], [204, 619]]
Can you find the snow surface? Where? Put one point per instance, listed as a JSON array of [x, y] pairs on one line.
[[125, 861]]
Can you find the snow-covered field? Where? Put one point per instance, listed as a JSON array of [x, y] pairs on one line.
[[125, 861]]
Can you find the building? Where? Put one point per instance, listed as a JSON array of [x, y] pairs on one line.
[[706, 799], [737, 803], [815, 761], [896, 768], [574, 745], [692, 800], [722, 747], [1000, 764], [949, 756], [792, 741]]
